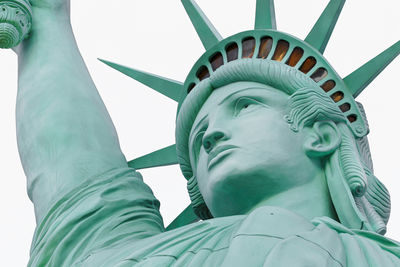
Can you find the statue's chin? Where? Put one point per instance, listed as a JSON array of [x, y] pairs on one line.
[[235, 194]]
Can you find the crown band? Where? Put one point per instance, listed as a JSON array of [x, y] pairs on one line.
[[280, 47]]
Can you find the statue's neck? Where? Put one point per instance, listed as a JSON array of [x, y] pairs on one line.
[[310, 200]]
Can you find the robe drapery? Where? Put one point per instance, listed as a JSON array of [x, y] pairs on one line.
[[113, 220]]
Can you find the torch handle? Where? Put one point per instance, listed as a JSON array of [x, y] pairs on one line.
[[15, 22]]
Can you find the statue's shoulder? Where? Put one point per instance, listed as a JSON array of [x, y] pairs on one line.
[[385, 243], [373, 246]]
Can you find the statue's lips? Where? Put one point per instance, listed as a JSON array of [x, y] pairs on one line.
[[219, 153]]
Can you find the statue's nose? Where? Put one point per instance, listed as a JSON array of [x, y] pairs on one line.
[[211, 139]]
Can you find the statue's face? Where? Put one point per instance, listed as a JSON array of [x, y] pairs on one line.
[[243, 151]]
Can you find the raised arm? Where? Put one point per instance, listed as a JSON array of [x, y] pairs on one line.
[[65, 134]]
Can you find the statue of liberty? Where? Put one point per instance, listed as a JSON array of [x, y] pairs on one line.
[[270, 138]]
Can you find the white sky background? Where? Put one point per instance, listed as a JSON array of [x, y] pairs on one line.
[[157, 36]]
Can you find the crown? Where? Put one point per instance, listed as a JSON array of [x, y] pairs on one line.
[[264, 43]]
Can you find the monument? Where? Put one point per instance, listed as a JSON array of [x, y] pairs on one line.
[[270, 138]]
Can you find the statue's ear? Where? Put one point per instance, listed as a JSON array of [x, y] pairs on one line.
[[322, 139]]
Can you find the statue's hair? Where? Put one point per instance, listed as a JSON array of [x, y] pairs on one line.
[[199, 206], [377, 194], [307, 104], [303, 114]]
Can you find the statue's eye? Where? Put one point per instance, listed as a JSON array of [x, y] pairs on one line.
[[245, 104]]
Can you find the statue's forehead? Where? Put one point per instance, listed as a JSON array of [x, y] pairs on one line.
[[238, 89], [221, 97]]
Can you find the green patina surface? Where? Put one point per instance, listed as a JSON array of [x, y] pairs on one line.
[[270, 138], [15, 22]]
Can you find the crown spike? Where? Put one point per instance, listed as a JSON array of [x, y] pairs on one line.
[[265, 15], [163, 157], [206, 31], [186, 217], [165, 86], [322, 30], [363, 76]]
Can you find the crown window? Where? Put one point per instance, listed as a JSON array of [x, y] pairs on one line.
[[203, 73], [281, 50], [248, 47], [308, 64], [352, 118], [345, 107], [216, 61], [190, 88], [232, 51], [319, 74], [295, 57], [328, 85], [337, 96], [265, 47]]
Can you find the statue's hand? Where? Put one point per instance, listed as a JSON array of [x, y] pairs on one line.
[[17, 17]]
